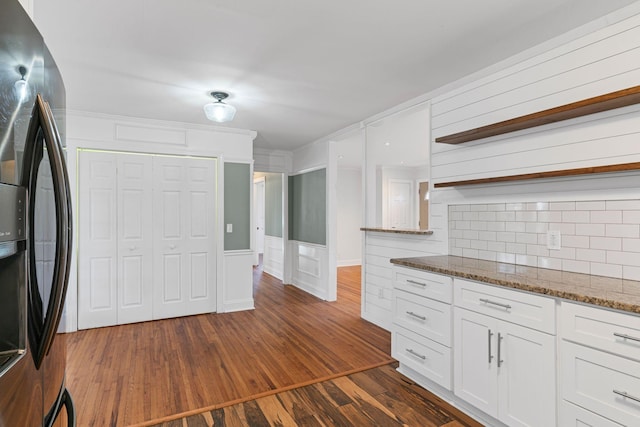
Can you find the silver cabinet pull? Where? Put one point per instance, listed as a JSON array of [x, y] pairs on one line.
[[421, 356], [626, 395], [413, 282], [489, 335], [499, 304], [626, 337], [500, 361], [417, 316]]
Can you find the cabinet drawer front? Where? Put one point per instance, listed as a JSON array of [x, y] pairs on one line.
[[423, 283], [526, 309], [423, 316], [618, 333], [572, 415], [598, 381], [424, 356]]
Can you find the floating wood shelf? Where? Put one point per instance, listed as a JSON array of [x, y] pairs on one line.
[[551, 174], [609, 101]]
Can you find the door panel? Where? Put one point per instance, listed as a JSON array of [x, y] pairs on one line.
[[184, 249], [475, 360], [400, 203], [135, 237], [199, 276], [97, 272], [527, 369]]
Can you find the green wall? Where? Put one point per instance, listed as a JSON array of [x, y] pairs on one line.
[[237, 206], [308, 207], [273, 204]]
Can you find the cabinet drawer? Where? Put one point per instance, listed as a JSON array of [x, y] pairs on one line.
[[429, 318], [430, 285], [602, 329], [598, 381], [572, 415], [424, 356], [523, 308]]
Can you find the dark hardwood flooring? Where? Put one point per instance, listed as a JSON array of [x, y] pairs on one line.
[[149, 372], [375, 397]]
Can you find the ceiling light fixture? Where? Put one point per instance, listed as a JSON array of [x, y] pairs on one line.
[[219, 111]]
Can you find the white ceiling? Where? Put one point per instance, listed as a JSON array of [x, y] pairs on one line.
[[297, 70]]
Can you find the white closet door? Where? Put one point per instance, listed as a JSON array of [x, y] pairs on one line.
[[97, 248], [135, 239], [184, 236]]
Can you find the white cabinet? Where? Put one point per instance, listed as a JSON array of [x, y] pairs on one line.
[[421, 333], [505, 369], [600, 364], [146, 237]]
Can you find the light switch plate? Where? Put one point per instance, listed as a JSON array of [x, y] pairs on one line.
[[229, 228]]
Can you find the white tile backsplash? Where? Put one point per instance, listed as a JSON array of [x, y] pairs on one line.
[[600, 237]]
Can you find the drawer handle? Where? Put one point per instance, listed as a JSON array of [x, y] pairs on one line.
[[626, 395], [417, 316], [414, 282], [499, 304], [421, 356], [626, 337]]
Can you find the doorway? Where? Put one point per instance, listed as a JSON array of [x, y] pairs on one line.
[[268, 222], [259, 217]]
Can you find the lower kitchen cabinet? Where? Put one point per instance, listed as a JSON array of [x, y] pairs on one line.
[[600, 366], [505, 370]]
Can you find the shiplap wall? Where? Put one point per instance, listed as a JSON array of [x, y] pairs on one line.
[[603, 61], [377, 289]]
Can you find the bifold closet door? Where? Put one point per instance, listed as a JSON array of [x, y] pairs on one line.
[[184, 208], [135, 237], [98, 240], [115, 239]]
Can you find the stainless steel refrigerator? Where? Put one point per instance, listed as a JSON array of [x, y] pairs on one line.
[[35, 228]]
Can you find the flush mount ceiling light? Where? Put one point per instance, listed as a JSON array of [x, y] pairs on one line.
[[219, 111]]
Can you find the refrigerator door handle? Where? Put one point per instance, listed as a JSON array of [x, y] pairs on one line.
[[67, 402], [43, 127]]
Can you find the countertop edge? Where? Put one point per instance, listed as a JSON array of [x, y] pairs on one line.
[[572, 296], [398, 231]]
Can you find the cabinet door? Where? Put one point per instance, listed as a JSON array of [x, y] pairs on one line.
[[474, 352], [526, 376]]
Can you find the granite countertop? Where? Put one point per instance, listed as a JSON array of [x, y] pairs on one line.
[[398, 230], [609, 292]]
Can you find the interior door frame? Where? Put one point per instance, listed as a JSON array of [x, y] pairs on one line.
[[256, 252]]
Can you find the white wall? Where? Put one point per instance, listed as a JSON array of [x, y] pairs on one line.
[[349, 221], [568, 70], [116, 133], [312, 267]]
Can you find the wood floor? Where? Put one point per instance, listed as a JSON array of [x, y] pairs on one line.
[[375, 397], [133, 374]]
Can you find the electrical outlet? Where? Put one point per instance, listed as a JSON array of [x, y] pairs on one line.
[[229, 228], [554, 240]]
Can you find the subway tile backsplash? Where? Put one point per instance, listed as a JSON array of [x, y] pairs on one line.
[[597, 237]]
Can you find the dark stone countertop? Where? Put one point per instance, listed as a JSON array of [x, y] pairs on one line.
[[619, 294]]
